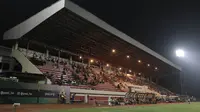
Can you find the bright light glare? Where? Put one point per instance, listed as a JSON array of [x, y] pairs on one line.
[[107, 65], [113, 50], [128, 75], [127, 56], [180, 53], [91, 61]]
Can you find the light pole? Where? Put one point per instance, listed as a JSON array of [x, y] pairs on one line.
[[180, 54]]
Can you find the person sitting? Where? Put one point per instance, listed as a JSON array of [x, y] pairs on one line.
[[73, 82]]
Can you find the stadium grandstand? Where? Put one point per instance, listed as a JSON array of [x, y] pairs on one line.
[[65, 45]]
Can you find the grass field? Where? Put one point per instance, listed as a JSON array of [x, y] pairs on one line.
[[193, 107]]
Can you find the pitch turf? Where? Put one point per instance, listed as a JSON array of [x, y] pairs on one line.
[[193, 107]]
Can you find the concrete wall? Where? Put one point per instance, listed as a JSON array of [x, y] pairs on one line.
[[4, 51], [6, 61]]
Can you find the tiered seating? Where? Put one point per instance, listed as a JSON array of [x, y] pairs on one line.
[[63, 71], [105, 86], [82, 87]]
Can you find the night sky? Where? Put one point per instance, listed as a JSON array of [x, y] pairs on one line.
[[161, 26]]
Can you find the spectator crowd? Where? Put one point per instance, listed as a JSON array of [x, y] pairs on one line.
[[88, 76]]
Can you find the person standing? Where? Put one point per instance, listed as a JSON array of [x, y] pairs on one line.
[[110, 101], [189, 100], [62, 97]]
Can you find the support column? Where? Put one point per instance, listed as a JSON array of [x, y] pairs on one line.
[[181, 83], [86, 98], [70, 59], [47, 53], [27, 48], [16, 45]]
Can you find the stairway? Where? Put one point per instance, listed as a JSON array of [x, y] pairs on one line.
[[27, 66]]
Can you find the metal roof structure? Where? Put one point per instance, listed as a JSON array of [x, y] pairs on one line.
[[68, 26]]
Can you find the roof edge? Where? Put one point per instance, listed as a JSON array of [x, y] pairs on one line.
[[21, 29]]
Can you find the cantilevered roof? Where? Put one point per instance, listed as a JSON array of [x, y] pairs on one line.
[[70, 27]]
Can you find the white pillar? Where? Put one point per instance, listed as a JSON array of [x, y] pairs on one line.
[[86, 98], [13, 48], [47, 53], [27, 48], [70, 59], [16, 45]]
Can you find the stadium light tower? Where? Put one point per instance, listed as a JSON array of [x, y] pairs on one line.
[[180, 53]]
